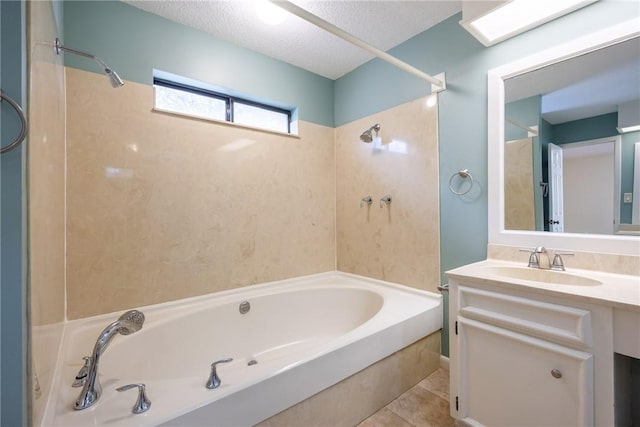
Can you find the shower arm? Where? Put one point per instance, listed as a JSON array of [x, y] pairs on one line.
[[59, 49]]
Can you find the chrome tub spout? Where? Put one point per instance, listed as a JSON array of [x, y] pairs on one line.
[[129, 323]]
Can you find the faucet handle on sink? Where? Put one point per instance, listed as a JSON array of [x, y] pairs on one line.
[[558, 264], [534, 262]]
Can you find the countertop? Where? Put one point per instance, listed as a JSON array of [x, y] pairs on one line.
[[616, 290]]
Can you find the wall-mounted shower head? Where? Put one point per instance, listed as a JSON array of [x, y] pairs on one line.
[[114, 78], [366, 136]]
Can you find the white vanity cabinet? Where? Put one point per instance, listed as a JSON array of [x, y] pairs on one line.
[[520, 359]]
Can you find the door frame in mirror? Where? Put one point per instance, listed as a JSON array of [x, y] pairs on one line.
[[617, 244]]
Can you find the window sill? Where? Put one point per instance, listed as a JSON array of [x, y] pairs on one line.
[[226, 123]]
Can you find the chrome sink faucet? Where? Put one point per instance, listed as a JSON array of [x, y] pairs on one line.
[[540, 258], [544, 263], [129, 323]]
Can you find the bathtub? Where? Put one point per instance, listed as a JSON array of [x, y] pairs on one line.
[[299, 337]]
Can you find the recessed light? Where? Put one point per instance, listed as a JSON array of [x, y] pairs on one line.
[[514, 17]]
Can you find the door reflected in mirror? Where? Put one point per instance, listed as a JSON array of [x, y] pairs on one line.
[[567, 168]]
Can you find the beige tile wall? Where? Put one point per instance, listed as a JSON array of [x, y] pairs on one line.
[[519, 206], [355, 398], [46, 168], [163, 207], [400, 242]]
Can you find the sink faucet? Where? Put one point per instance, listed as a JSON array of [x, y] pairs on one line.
[[128, 323], [544, 263]]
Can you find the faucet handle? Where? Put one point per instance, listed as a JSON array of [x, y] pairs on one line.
[[142, 403], [214, 380], [367, 199], [534, 262], [81, 376], [558, 264]]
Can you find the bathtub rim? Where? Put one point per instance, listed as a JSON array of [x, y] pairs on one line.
[[228, 293], [72, 326]]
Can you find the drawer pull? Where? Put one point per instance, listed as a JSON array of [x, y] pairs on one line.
[[555, 373]]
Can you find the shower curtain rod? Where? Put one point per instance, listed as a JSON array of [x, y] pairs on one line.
[[437, 84]]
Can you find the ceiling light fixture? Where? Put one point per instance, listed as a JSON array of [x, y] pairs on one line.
[[492, 24], [269, 13]]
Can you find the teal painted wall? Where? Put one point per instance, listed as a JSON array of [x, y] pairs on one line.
[[134, 42], [626, 174], [585, 129], [526, 111], [13, 323], [447, 47]]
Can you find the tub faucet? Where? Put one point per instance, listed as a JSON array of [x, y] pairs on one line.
[[128, 323]]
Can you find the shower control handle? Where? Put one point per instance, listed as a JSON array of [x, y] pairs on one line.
[[367, 199], [214, 380], [81, 376], [142, 403]]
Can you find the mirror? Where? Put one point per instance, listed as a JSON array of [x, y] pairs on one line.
[[563, 101], [574, 105]]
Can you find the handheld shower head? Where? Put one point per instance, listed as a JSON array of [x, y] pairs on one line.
[[366, 135], [130, 322]]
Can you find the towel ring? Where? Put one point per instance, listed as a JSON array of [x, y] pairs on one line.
[[23, 124], [464, 174]]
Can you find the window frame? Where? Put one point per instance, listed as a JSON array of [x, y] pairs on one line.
[[229, 100]]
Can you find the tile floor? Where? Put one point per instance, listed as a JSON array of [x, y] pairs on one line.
[[425, 405]]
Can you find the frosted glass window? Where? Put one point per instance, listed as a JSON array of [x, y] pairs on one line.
[[193, 100], [193, 104], [260, 117]]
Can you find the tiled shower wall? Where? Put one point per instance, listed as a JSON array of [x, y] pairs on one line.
[[399, 242], [46, 187], [162, 207]]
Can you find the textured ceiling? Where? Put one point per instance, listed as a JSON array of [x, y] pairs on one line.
[[381, 23]]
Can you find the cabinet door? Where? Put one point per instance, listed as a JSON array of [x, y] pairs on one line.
[[511, 379]]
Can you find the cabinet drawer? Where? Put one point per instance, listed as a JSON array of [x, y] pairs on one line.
[[553, 322]]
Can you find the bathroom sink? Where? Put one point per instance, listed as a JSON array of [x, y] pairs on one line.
[[543, 276]]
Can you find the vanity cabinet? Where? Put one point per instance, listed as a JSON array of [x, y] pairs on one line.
[[519, 359]]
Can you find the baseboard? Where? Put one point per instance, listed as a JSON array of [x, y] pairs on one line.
[[444, 362]]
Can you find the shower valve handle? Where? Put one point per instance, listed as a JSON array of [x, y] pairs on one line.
[[367, 199], [214, 380], [81, 376]]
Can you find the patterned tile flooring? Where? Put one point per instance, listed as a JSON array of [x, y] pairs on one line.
[[425, 405]]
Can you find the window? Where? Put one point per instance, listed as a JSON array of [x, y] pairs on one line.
[[214, 105]]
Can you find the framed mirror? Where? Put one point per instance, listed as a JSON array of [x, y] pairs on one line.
[[544, 115]]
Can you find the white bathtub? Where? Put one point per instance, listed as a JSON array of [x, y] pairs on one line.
[[305, 334]]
